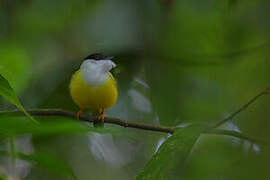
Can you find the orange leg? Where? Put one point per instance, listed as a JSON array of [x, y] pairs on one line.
[[102, 116], [79, 113]]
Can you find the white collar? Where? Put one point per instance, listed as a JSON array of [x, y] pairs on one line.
[[96, 73]]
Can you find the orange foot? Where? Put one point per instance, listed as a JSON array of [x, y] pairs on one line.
[[79, 113], [102, 116]]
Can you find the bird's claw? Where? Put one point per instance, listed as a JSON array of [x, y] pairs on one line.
[[79, 113]]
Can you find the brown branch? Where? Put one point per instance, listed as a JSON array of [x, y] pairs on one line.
[[125, 123], [242, 108], [110, 120]]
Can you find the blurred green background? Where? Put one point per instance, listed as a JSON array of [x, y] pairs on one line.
[[178, 62]]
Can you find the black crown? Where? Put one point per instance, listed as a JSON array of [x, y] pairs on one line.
[[98, 56]]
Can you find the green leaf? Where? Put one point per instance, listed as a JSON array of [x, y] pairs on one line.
[[11, 125], [2, 176], [170, 159], [7, 92], [44, 161], [15, 65], [12, 150], [48, 162]]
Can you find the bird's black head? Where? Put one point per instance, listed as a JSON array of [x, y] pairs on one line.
[[98, 56]]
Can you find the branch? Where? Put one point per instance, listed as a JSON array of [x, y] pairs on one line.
[[237, 135], [125, 123], [110, 120], [245, 106]]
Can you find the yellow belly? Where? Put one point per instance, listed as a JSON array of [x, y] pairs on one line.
[[93, 98]]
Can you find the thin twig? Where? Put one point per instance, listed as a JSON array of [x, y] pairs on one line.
[[237, 135], [125, 123], [245, 106]]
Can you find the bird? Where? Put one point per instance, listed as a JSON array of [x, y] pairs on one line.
[[93, 87]]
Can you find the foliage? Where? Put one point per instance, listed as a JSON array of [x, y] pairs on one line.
[[7, 91], [44, 161], [169, 160], [179, 63]]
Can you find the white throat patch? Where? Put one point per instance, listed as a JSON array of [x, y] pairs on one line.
[[96, 73]]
